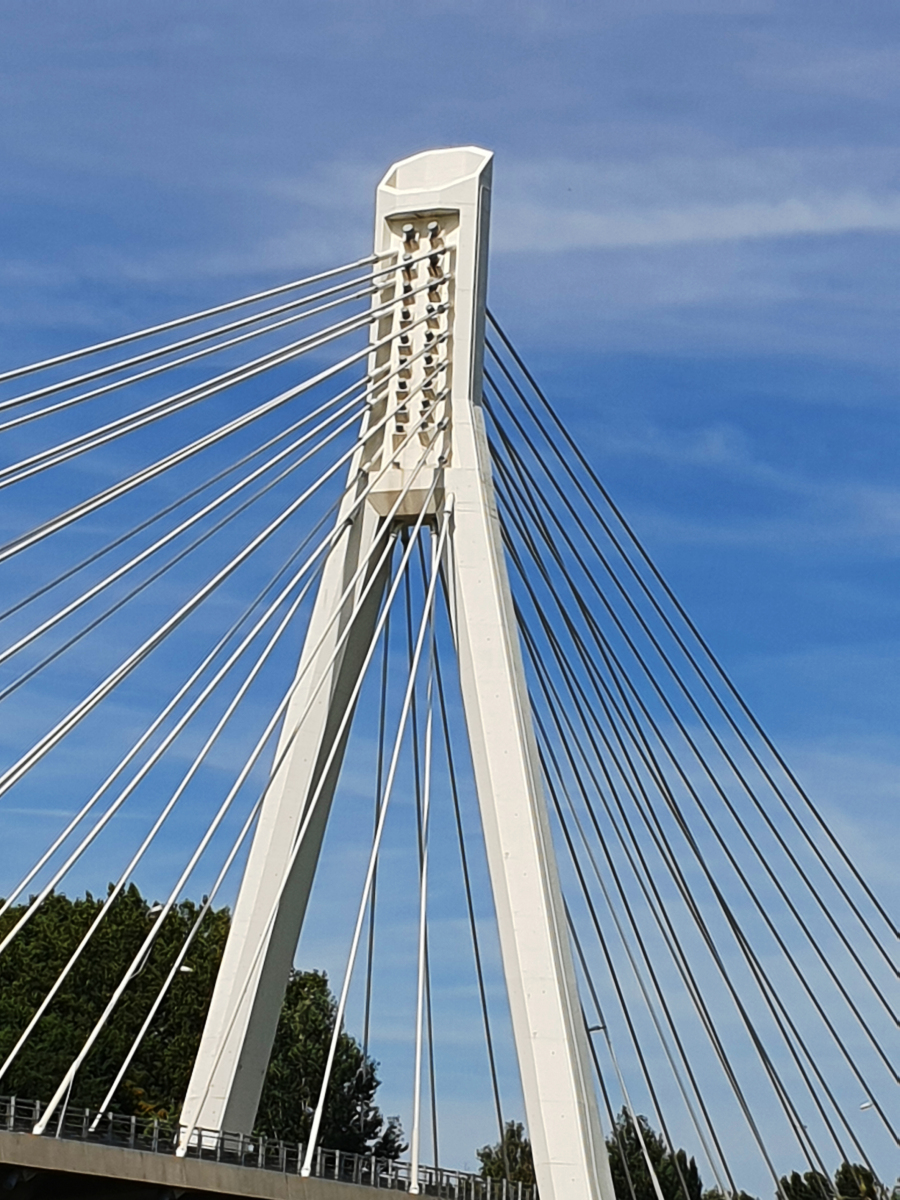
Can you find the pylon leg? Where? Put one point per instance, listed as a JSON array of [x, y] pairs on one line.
[[230, 1067], [551, 1043]]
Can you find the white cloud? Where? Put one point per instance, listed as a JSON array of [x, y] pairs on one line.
[[565, 205], [532, 228]]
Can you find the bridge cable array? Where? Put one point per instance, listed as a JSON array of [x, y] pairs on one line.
[[162, 555], [622, 750]]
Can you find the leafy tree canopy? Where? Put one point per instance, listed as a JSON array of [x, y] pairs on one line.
[[813, 1185], [631, 1143], [628, 1162], [855, 1182], [510, 1159], [157, 1080], [852, 1181]]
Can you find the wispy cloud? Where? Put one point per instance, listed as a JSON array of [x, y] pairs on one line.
[[544, 229], [563, 205]]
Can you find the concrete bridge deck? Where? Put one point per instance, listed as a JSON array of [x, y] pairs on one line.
[[112, 1156], [47, 1168]]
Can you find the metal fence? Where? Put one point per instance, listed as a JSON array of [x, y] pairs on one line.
[[257, 1153]]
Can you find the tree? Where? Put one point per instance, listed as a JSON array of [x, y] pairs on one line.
[[157, 1079], [855, 1182], [812, 1185], [350, 1120], [628, 1162], [159, 1073], [632, 1142], [718, 1194], [678, 1176], [513, 1155]]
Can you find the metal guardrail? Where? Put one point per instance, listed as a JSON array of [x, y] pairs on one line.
[[257, 1153]]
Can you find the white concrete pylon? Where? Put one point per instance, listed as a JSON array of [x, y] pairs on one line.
[[432, 214]]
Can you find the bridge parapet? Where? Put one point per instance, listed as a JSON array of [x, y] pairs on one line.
[[247, 1158]]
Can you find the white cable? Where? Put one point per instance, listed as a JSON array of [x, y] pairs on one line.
[[83, 442], [122, 426], [168, 508], [56, 618], [124, 364], [169, 738], [156, 574], [187, 1131], [360, 499], [148, 355], [174, 324], [306, 1169], [74, 1067], [142, 953], [155, 724], [27, 638], [97, 501], [166, 811], [293, 350], [423, 919], [182, 954], [75, 715], [100, 498]]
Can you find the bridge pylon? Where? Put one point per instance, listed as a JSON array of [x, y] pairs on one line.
[[425, 368]]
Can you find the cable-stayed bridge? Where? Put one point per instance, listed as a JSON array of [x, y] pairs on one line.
[[357, 468]]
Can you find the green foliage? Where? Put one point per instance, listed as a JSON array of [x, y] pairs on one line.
[[813, 1185], [855, 1182], [157, 1080], [627, 1162], [390, 1144], [350, 1121], [852, 1181], [718, 1194], [678, 1176], [159, 1075], [516, 1163]]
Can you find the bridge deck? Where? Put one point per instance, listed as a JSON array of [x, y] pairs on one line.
[[113, 1156], [28, 1161]]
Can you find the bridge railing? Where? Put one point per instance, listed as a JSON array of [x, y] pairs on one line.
[[260, 1153]]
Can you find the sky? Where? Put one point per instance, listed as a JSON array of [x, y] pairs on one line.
[[695, 241]]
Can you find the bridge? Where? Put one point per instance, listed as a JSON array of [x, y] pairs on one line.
[[325, 559]]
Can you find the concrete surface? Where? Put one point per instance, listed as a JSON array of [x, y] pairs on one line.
[[150, 1174]]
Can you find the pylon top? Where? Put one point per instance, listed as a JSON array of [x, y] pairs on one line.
[[434, 171]]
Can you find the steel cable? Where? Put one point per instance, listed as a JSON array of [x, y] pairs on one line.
[[159, 409], [590, 621], [751, 960], [796, 1124], [204, 335], [726, 909], [166, 711], [169, 508], [108, 495], [152, 330], [745, 784], [171, 803], [682, 613], [470, 904], [243, 775], [171, 535]]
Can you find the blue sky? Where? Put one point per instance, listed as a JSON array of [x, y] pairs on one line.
[[695, 244]]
